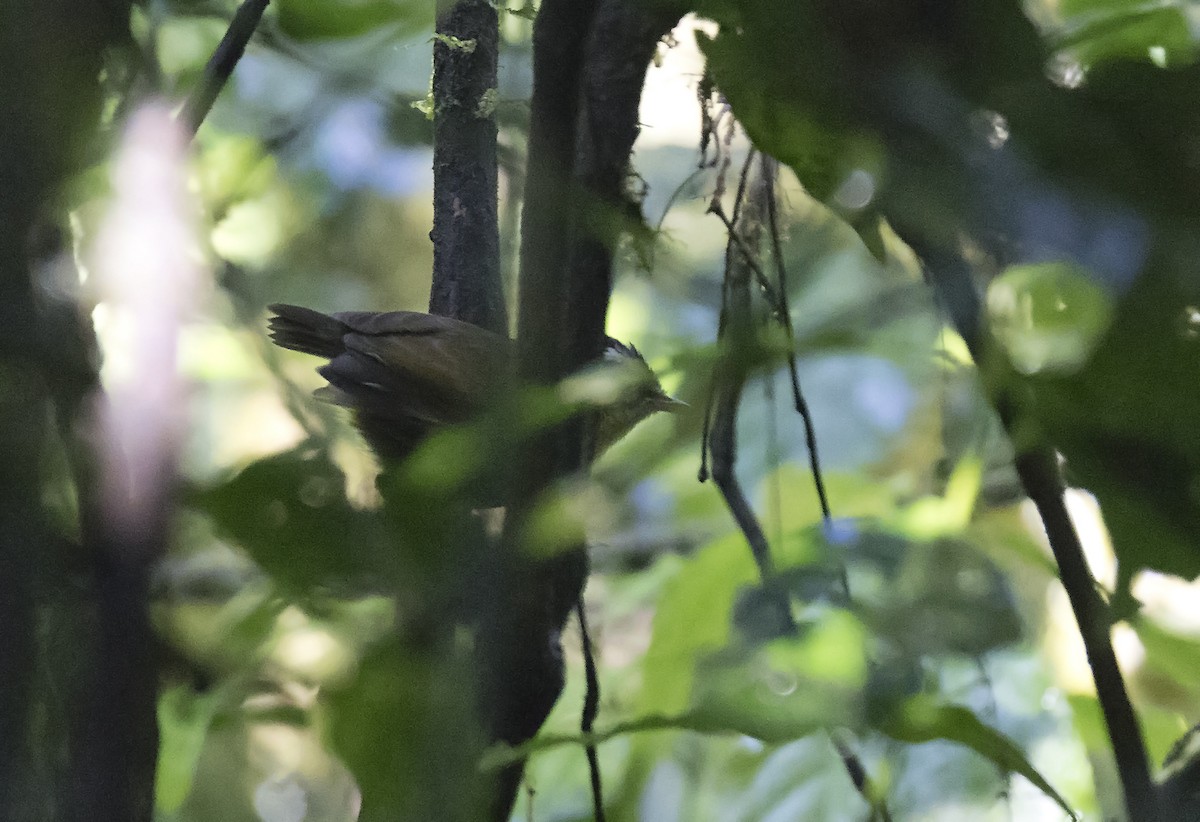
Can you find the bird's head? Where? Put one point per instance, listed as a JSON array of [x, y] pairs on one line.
[[634, 393]]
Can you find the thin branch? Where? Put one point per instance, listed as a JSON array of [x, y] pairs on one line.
[[748, 256], [850, 760], [222, 63], [1037, 468], [860, 778], [591, 708], [770, 172], [737, 335], [711, 404]]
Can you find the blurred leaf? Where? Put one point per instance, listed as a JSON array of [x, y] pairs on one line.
[[1176, 655], [787, 688], [1048, 316], [406, 729], [945, 599], [226, 637], [233, 167], [290, 513], [923, 719], [1000, 533], [183, 721], [186, 43], [1161, 728], [933, 516], [315, 19], [1095, 34], [1124, 424]]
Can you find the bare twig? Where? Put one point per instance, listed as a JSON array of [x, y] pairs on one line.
[[591, 708], [749, 257]]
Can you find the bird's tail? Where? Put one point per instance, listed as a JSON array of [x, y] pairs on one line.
[[305, 330]]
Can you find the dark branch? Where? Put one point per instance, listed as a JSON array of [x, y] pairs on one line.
[[519, 647], [222, 63], [1037, 467], [622, 43], [591, 708], [1038, 470], [620, 48]]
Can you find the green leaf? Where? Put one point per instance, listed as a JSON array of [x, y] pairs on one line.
[[1171, 657], [1048, 316], [1130, 31], [315, 19], [802, 129], [183, 720], [787, 688], [945, 599], [923, 719]]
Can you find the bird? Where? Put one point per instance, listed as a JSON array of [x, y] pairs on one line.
[[405, 374]]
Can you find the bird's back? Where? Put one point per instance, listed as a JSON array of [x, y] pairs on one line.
[[403, 373]]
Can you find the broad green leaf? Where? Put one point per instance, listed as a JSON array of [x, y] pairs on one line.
[[923, 719]]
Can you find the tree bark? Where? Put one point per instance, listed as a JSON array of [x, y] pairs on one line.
[[466, 242]]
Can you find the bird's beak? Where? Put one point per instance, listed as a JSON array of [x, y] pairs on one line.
[[665, 403]]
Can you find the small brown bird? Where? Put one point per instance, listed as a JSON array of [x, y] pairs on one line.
[[405, 373]]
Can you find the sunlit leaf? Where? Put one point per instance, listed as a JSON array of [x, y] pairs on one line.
[[183, 720]]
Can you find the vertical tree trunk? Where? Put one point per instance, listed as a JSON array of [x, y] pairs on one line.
[[466, 244]]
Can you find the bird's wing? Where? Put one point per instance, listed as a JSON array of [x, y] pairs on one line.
[[374, 323]]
